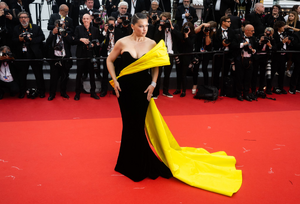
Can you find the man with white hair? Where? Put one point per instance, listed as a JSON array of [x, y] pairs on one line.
[[121, 14], [154, 12], [255, 18]]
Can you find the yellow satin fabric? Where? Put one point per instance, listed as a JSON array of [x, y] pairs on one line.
[[214, 172], [156, 57]]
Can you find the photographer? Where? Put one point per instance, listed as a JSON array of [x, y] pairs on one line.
[[282, 41], [86, 37], [185, 13], [123, 18], [111, 6], [266, 45], [244, 63], [96, 16], [186, 46], [166, 31], [63, 17], [8, 75], [8, 20], [205, 34], [154, 13], [59, 42], [111, 35], [28, 40]]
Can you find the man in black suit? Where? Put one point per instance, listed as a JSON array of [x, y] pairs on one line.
[[22, 5], [225, 40], [122, 11], [137, 6], [255, 18], [28, 40], [185, 13], [84, 34], [89, 10], [244, 63], [111, 6], [236, 23], [62, 15], [171, 36], [60, 47], [215, 9]]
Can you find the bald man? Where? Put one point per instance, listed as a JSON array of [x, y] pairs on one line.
[[244, 64], [63, 16], [84, 34]]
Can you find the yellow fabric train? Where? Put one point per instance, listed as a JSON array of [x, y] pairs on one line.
[[214, 172]]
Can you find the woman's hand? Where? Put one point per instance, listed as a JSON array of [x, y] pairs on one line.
[[117, 88], [150, 90]]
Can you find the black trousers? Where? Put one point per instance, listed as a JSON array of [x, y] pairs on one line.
[[12, 87], [167, 73], [277, 65], [295, 79], [181, 70], [81, 66], [204, 59], [59, 71], [37, 68], [217, 69], [243, 77], [260, 63]]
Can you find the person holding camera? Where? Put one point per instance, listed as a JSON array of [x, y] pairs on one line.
[[64, 18], [283, 41], [59, 42], [93, 12], [166, 31], [28, 39], [111, 35], [266, 45], [122, 16], [111, 6], [8, 75], [244, 63], [86, 37], [186, 45], [154, 13], [185, 13], [8, 20], [205, 35]]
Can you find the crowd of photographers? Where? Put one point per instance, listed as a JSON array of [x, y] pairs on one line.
[[255, 46]]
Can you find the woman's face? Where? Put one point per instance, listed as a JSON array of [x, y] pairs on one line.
[[140, 28], [291, 17]]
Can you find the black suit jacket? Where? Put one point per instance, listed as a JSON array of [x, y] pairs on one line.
[[34, 48], [84, 11], [25, 4], [140, 6], [233, 46], [241, 39], [81, 32], [236, 23], [225, 4], [109, 4], [118, 34], [51, 42], [180, 11], [175, 34], [68, 23], [257, 21]]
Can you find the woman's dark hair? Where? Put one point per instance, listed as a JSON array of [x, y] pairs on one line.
[[295, 7], [136, 17], [191, 26], [278, 24]]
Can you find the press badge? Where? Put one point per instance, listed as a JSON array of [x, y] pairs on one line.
[[24, 49]]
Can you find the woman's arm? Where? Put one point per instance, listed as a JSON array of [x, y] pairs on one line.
[[110, 65]]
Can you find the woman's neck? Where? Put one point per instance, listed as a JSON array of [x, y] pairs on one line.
[[137, 38]]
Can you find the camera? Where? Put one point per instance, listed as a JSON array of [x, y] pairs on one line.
[[208, 29], [165, 24], [288, 32], [111, 27], [97, 18], [58, 46], [154, 16], [190, 18], [5, 54], [32, 93], [186, 29], [266, 39], [6, 11], [26, 35], [227, 41], [125, 21], [248, 49], [94, 42]]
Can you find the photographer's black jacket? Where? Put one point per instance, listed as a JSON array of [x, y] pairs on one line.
[[200, 42], [217, 41], [51, 42], [257, 21], [34, 47], [68, 23], [237, 51], [260, 46], [7, 27], [81, 32], [181, 10], [118, 34]]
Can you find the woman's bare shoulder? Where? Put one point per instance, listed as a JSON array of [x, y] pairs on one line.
[[151, 42]]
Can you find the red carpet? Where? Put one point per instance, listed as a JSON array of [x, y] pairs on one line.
[[64, 151]]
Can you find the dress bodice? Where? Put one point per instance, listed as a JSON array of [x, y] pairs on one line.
[[126, 59]]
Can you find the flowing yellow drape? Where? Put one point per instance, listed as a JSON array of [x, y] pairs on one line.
[[197, 167]]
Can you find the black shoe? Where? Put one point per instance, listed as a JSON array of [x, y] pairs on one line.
[[51, 97], [21, 95], [283, 91], [277, 90], [77, 97], [103, 93], [240, 98], [269, 92], [64, 95], [1, 96], [95, 96], [253, 96], [292, 91], [247, 98], [42, 95], [84, 76], [182, 94], [176, 92], [167, 94]]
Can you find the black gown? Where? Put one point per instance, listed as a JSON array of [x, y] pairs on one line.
[[136, 159]]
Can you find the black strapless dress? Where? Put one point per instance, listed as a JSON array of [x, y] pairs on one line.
[[136, 159]]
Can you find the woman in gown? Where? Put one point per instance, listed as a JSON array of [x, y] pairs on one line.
[[136, 159], [197, 167]]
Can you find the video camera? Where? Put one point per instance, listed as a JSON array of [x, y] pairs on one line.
[[26, 35], [124, 19], [97, 17]]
